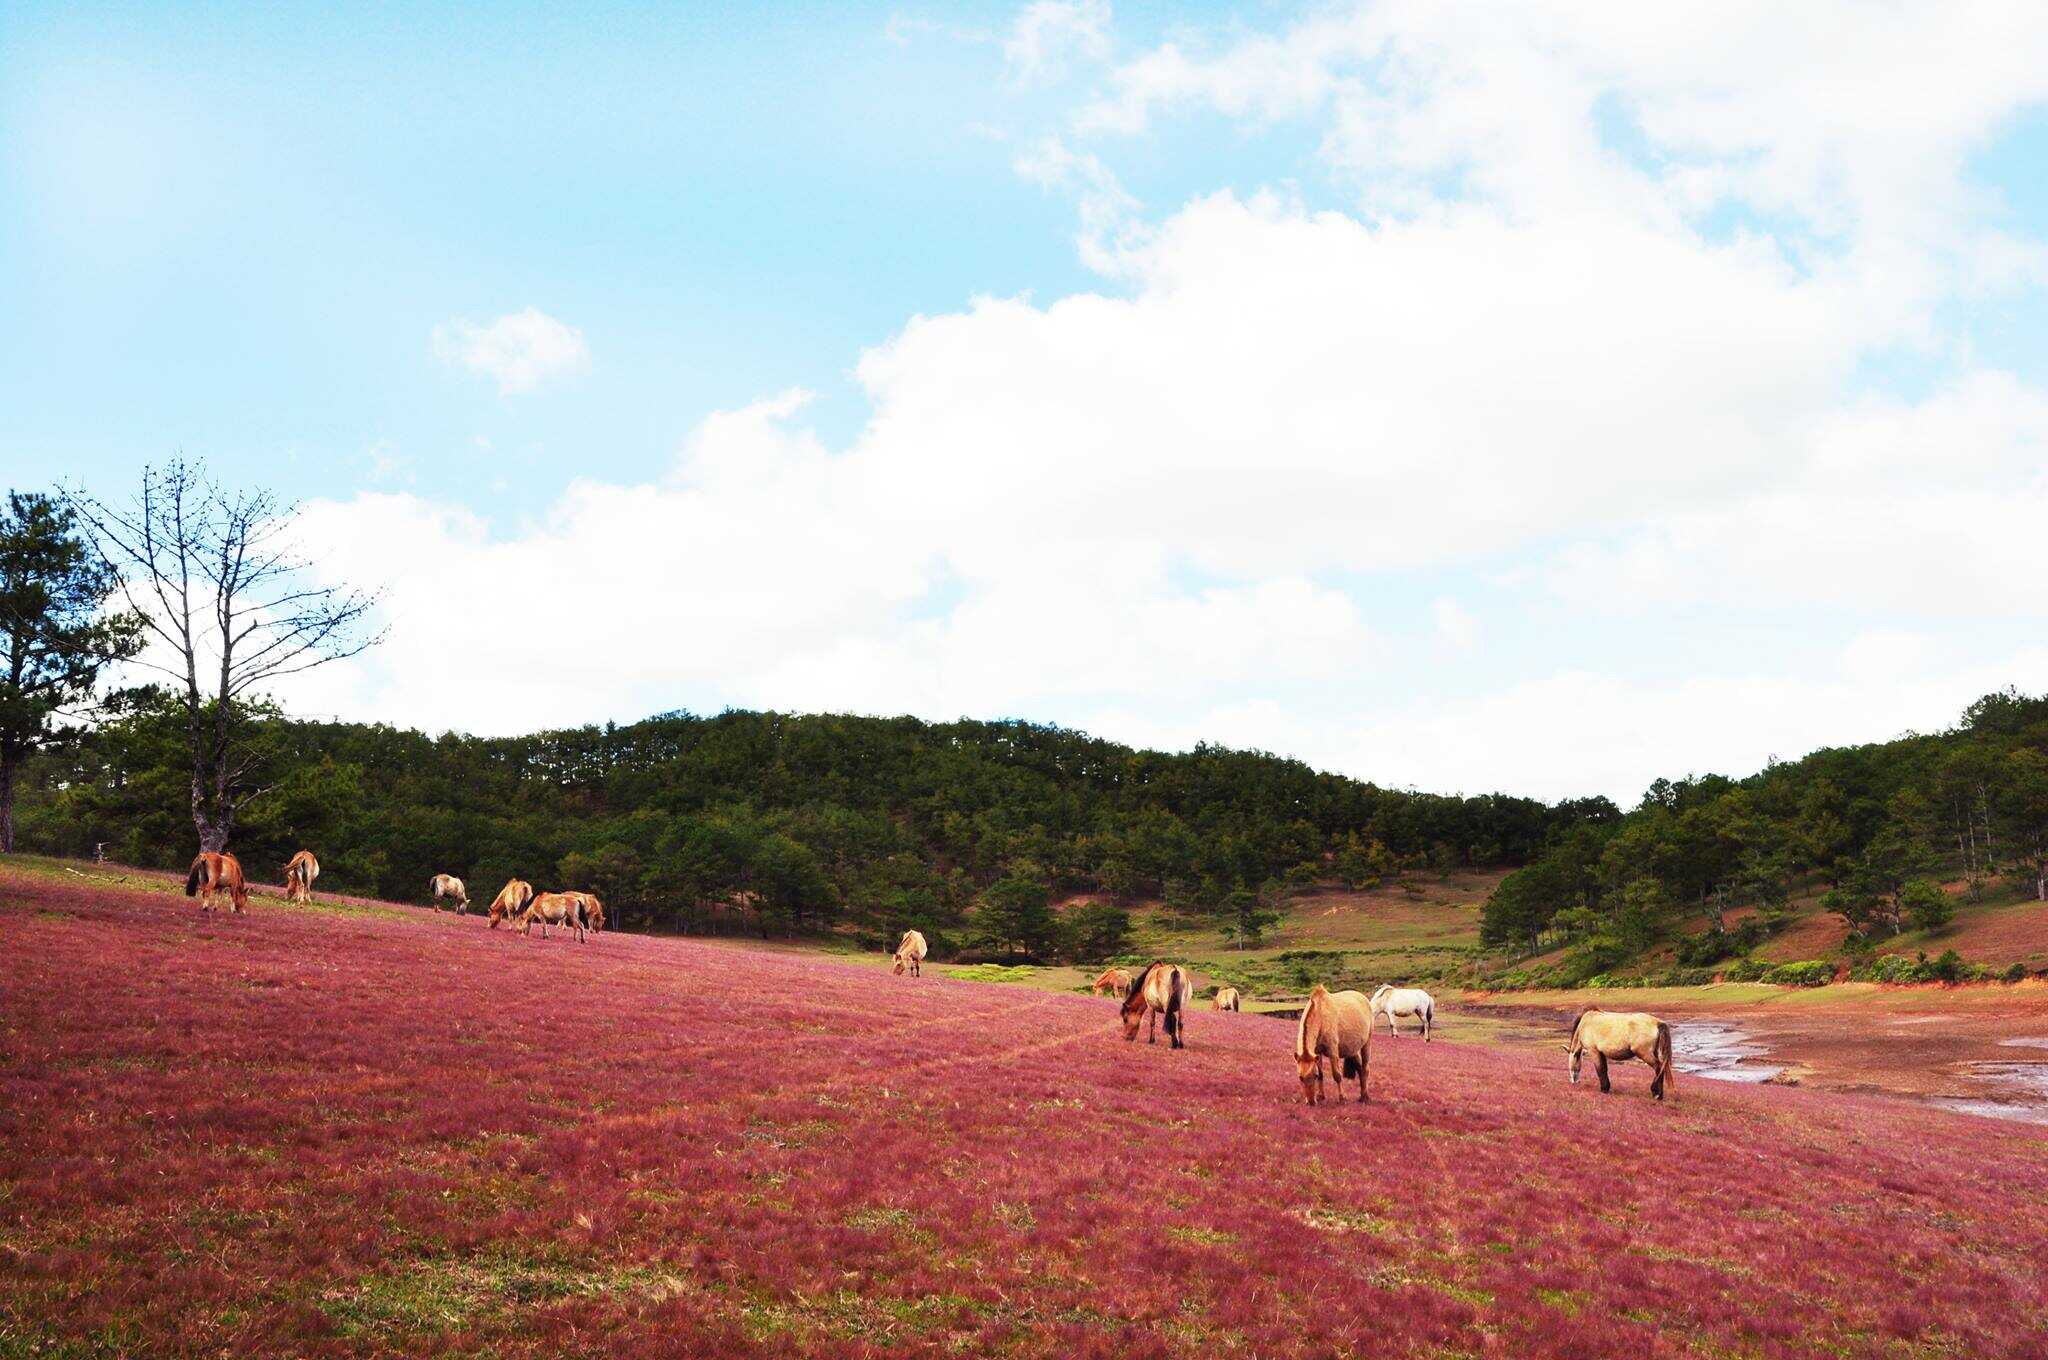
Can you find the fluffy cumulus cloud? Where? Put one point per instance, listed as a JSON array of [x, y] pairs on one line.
[[1584, 358], [520, 351]]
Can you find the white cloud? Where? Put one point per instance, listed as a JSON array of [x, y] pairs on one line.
[[1926, 509], [1456, 627], [1575, 732], [1110, 228], [520, 351], [1525, 372], [1050, 34]]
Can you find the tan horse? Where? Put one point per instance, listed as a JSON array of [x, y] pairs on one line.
[[299, 874], [1617, 1036], [511, 900], [593, 911], [1162, 989], [1112, 980], [1227, 999], [552, 909], [217, 873], [448, 885], [1335, 1027], [910, 952]]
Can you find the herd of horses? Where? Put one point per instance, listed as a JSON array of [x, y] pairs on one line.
[[216, 873], [1332, 1038]]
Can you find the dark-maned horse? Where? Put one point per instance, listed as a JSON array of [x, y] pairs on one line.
[[1111, 980], [1162, 989], [593, 912], [1617, 1036], [213, 873], [510, 901], [910, 952], [552, 909], [1336, 1027], [299, 874]]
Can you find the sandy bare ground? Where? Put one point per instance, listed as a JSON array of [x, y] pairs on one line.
[[1983, 1049]]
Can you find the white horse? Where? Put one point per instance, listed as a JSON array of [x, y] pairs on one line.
[[1391, 1001]]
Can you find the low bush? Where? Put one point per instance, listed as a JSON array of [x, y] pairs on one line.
[[1805, 973], [1950, 967]]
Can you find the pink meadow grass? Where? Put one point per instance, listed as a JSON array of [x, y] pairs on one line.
[[403, 1134]]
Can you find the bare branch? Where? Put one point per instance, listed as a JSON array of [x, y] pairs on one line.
[[217, 581]]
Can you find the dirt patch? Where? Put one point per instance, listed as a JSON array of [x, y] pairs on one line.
[[1954, 1047]]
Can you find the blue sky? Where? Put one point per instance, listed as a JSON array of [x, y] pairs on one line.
[[231, 229], [1459, 399]]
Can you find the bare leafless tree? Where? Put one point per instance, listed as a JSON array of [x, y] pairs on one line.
[[231, 608]]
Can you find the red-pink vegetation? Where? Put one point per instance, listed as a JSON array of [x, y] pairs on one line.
[[301, 1132]]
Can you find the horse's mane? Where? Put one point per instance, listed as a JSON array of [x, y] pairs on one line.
[[1582, 1019], [1314, 1004], [1135, 997]]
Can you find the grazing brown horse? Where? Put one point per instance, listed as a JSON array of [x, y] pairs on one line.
[[217, 873], [552, 909], [1226, 999], [593, 911], [1162, 989], [1335, 1027], [448, 885], [299, 874], [1112, 980], [1617, 1036], [511, 900], [910, 952]]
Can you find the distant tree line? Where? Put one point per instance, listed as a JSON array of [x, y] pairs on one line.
[[1873, 828], [774, 823]]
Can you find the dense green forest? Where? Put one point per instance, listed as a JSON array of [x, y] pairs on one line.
[[787, 824], [1710, 865]]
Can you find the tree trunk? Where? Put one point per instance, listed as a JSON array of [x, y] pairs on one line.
[[7, 761]]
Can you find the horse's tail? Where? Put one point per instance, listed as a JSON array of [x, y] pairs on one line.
[[1664, 1063], [193, 879], [1176, 989]]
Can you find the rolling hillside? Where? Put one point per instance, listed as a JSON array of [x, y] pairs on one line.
[[360, 1129]]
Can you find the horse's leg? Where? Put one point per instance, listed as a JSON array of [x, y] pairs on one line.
[[1151, 1026], [1600, 1066]]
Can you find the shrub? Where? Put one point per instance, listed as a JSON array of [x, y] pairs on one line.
[[2016, 973], [1949, 967], [1805, 973], [1746, 970]]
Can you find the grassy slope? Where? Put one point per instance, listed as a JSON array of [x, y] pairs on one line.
[[1424, 930], [392, 1133]]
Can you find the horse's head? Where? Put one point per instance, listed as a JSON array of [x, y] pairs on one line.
[[1572, 1048], [898, 969], [1310, 1069], [1134, 1010]]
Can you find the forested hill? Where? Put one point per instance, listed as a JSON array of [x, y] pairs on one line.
[[780, 822], [1890, 837]]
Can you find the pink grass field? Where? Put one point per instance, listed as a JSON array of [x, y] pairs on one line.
[[308, 1132]]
